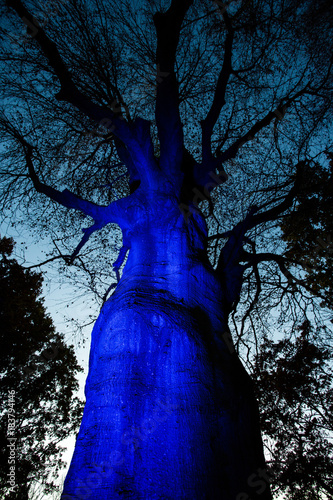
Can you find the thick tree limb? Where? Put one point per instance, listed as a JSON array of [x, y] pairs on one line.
[[87, 233], [66, 197], [168, 26], [216, 236], [125, 157], [254, 218], [254, 301], [121, 259], [101, 215], [229, 268]]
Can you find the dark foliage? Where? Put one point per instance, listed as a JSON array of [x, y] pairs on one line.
[[294, 379], [36, 363]]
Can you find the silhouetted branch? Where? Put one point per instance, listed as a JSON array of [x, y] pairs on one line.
[[274, 212], [47, 261], [219, 96], [279, 112]]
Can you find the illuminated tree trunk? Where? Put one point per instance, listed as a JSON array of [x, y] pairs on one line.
[[170, 412]]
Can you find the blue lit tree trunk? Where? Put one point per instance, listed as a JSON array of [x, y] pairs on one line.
[[170, 412]]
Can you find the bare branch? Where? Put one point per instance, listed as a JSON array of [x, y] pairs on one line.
[[219, 97], [279, 112], [47, 261], [255, 259], [274, 212], [101, 215]]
